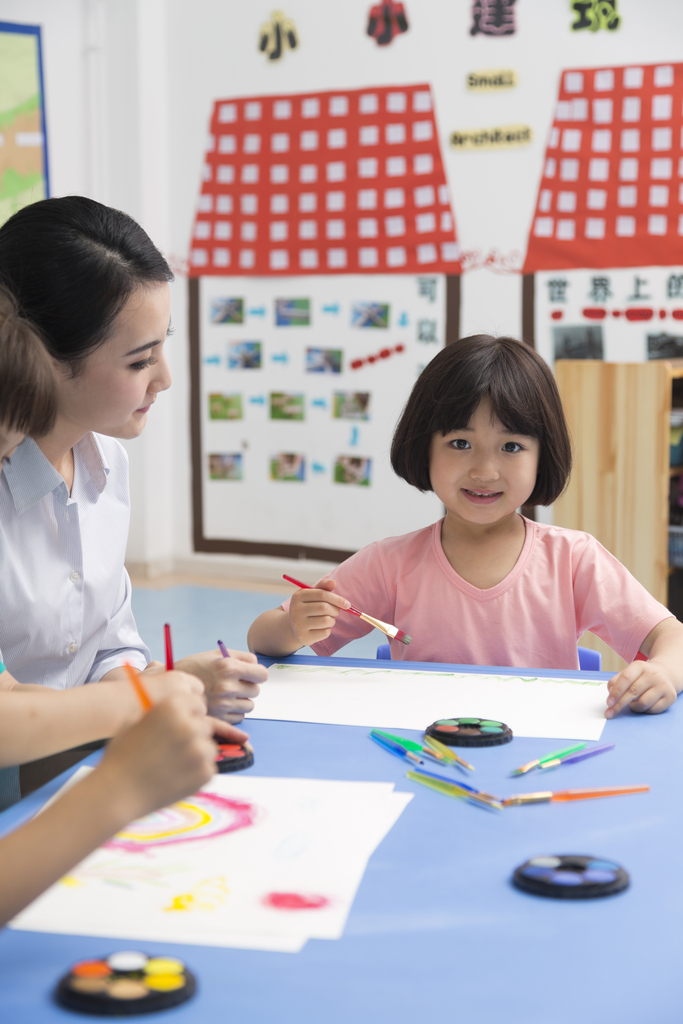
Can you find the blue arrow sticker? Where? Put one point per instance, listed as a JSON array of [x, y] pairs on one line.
[[213, 360], [320, 402], [403, 320], [257, 400], [332, 308], [317, 467], [280, 357], [354, 437], [258, 311]]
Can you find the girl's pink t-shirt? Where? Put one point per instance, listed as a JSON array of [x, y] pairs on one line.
[[564, 583]]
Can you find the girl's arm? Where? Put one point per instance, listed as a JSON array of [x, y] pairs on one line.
[[164, 757], [311, 617], [651, 685]]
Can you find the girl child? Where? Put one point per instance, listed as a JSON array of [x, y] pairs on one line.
[[164, 757], [97, 290], [484, 429]]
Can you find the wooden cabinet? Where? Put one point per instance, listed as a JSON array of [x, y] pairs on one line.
[[619, 419]]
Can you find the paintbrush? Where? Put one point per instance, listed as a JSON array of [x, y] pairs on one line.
[[393, 632], [396, 748], [413, 745], [574, 758], [450, 788], [564, 795], [447, 753], [540, 761], [460, 785]]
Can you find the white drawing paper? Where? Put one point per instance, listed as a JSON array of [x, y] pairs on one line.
[[249, 862], [386, 698]]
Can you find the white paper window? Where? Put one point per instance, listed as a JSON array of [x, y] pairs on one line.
[[396, 256], [664, 76], [422, 131], [367, 227], [248, 231], [630, 108], [661, 167], [282, 110], [252, 143], [543, 227], [250, 174], [308, 140], [395, 134], [602, 140], [279, 204], [224, 204], [279, 142], [596, 199], [627, 195], [199, 257], [424, 195], [573, 81], [308, 202], [367, 257], [595, 227], [222, 230], [336, 258], [427, 253], [335, 229], [394, 198], [566, 202], [279, 174], [335, 201], [602, 111], [571, 140], [249, 205], [659, 195], [550, 167], [369, 103], [661, 107], [369, 135], [395, 226], [308, 229], [247, 259], [227, 113], [310, 107], [446, 221], [336, 138], [423, 163], [395, 166], [563, 111], [396, 102], [422, 102], [633, 78], [308, 173], [425, 222], [339, 106], [625, 227], [628, 169], [656, 224], [598, 169], [569, 170], [225, 174], [554, 139], [630, 140], [335, 171], [603, 81], [227, 144], [221, 257], [566, 230], [278, 259], [278, 231], [367, 167], [308, 259], [450, 251], [252, 111], [579, 110], [661, 139], [202, 229], [545, 201], [367, 199]]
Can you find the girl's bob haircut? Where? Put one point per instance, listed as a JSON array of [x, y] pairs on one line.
[[28, 392], [523, 396]]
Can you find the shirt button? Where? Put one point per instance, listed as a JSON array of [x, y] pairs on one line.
[[73, 648], [74, 577], [66, 516]]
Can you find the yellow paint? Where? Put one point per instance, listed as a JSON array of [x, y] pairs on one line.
[[164, 982], [164, 965], [491, 81], [70, 882], [206, 895], [197, 818], [508, 136]]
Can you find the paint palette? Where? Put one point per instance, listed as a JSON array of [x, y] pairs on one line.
[[571, 877], [232, 757], [470, 732], [126, 983]]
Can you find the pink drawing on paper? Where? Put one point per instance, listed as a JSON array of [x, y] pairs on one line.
[[203, 816]]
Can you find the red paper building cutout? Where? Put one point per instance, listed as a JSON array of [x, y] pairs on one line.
[[612, 188], [323, 183]]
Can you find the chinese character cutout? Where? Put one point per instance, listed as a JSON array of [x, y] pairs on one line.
[[276, 35], [595, 14], [426, 330], [386, 21], [493, 18]]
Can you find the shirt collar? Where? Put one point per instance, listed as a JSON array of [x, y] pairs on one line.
[[30, 476]]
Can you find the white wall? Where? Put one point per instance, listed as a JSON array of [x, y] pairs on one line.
[[129, 86]]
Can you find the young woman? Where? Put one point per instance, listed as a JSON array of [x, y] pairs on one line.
[[484, 429], [162, 758], [95, 287]]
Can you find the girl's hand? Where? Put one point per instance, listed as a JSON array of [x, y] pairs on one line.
[[230, 684], [644, 685], [164, 757], [313, 613]]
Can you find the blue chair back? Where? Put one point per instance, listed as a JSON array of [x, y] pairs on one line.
[[589, 661]]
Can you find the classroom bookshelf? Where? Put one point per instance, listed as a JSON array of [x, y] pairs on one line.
[[619, 416]]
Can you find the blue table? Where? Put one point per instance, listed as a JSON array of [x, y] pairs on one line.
[[437, 932]]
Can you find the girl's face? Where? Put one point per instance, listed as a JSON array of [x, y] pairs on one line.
[[120, 380], [483, 473]]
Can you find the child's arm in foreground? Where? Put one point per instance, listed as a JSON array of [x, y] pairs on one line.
[[311, 617], [652, 685], [164, 757]]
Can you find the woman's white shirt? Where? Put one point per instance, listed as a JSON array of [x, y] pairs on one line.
[[65, 595]]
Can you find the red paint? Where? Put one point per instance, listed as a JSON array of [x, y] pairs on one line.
[[662, 314], [677, 314], [295, 901], [91, 969], [639, 313], [356, 364], [616, 312], [385, 353], [448, 728], [594, 313], [399, 348], [557, 314], [382, 354], [229, 750]]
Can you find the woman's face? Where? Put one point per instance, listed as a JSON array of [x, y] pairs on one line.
[[120, 380]]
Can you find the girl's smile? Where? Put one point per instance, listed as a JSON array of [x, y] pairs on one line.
[[481, 497]]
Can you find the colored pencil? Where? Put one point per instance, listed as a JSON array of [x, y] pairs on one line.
[[523, 769], [169, 647], [447, 753], [574, 758], [397, 749], [393, 632], [136, 683], [565, 795], [223, 649]]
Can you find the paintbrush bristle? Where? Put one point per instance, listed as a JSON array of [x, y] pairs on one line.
[[403, 637]]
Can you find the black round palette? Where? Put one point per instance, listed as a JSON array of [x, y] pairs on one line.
[[232, 757], [126, 983], [571, 877], [470, 732]]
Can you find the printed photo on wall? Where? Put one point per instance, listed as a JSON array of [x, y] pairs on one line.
[[244, 355], [225, 466], [292, 312], [664, 346], [227, 311], [578, 342], [323, 360], [349, 469], [225, 407], [351, 405], [370, 314], [288, 466], [287, 405]]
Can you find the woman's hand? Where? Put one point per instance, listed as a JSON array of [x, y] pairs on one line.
[[230, 684]]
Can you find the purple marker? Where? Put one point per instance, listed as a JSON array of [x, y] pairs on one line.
[[223, 649]]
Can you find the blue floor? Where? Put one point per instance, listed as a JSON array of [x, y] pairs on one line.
[[199, 616]]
